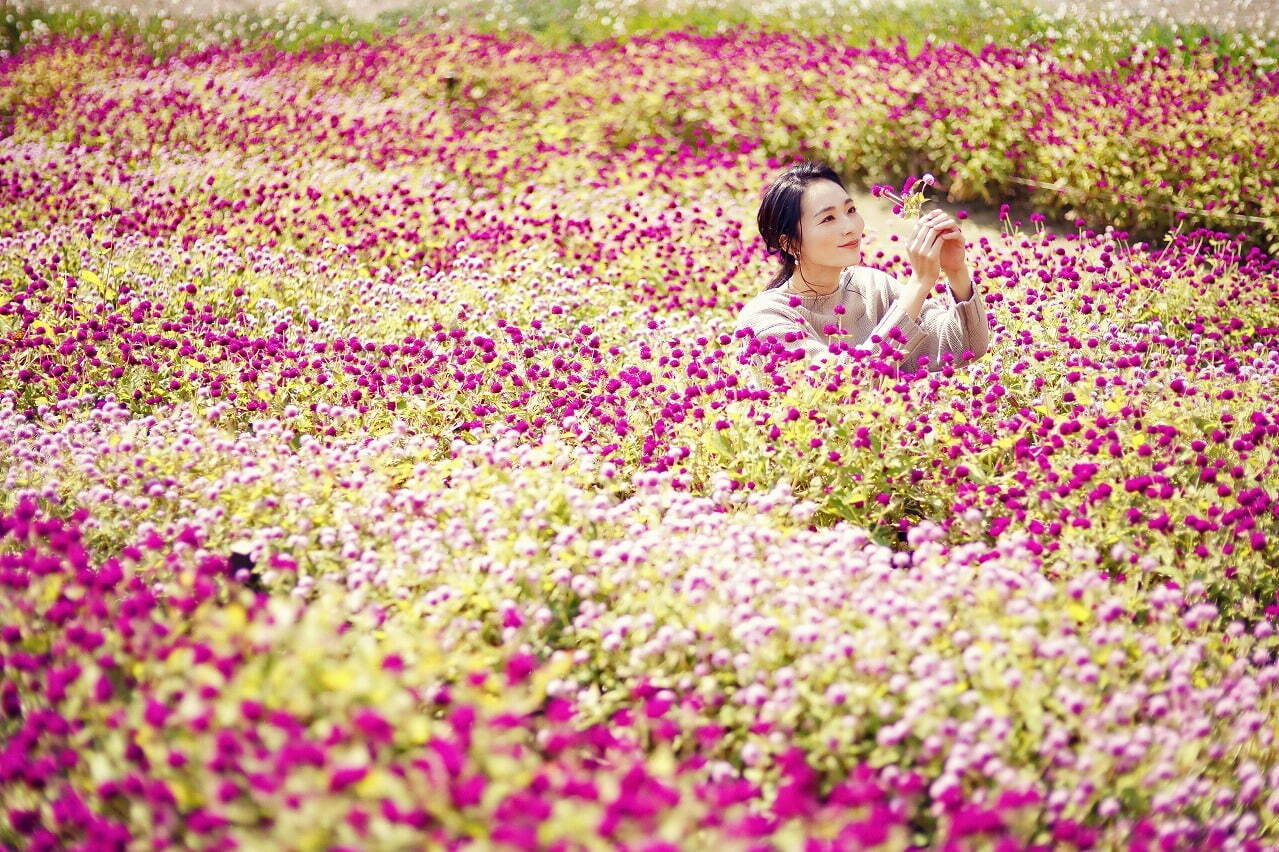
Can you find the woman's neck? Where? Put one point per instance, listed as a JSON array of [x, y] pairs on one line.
[[819, 281]]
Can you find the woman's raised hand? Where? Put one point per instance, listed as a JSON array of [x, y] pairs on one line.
[[924, 250]]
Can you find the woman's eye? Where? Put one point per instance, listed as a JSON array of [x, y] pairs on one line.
[[827, 219]]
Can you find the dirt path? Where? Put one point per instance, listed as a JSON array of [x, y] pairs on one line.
[[981, 221]]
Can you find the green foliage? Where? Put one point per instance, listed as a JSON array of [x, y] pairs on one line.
[[970, 23], [163, 35]]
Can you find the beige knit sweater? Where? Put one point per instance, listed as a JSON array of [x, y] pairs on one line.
[[872, 306]]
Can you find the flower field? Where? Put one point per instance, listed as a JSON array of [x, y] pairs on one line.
[[379, 468]]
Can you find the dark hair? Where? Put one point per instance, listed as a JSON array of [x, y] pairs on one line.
[[779, 212]]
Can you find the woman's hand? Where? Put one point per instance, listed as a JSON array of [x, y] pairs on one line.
[[937, 246], [954, 263]]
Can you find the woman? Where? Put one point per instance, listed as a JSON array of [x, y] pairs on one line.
[[821, 294]]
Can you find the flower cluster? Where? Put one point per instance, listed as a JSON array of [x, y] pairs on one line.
[[380, 467], [161, 712], [755, 706]]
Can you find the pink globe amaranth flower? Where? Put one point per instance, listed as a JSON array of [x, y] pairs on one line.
[[971, 819], [25, 822], [871, 831], [754, 825], [462, 719], [344, 777], [516, 835], [453, 757], [519, 667], [156, 713], [203, 821], [103, 689], [559, 709], [373, 726], [468, 792]]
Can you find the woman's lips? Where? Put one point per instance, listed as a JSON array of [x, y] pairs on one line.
[[849, 245]]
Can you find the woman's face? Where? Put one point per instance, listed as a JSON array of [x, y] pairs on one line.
[[830, 227]]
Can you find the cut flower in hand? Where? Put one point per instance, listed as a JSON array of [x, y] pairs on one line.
[[907, 204]]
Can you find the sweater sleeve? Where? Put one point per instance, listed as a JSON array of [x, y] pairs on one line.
[[941, 329], [775, 321]]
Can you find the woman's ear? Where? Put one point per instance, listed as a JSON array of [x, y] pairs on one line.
[[787, 246]]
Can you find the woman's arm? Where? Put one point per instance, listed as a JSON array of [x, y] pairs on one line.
[[892, 306], [954, 330], [938, 330], [776, 322], [961, 284], [801, 337]]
